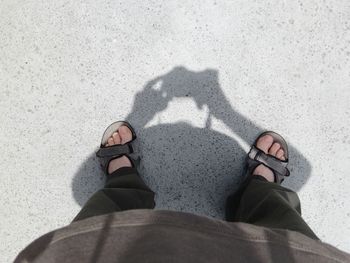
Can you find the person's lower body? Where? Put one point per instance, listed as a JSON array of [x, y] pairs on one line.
[[261, 200], [267, 204], [124, 190], [259, 203]]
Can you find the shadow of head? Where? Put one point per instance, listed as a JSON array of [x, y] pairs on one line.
[[191, 169]]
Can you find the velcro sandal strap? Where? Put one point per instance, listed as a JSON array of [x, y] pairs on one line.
[[114, 151], [278, 166]]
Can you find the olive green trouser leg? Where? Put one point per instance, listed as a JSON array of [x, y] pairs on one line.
[[124, 190], [269, 205]]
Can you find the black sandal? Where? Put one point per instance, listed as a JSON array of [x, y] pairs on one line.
[[255, 157], [109, 153], [277, 166]]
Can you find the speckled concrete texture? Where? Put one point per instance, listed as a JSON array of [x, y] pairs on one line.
[[198, 80]]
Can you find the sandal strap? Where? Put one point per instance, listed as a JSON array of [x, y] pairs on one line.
[[114, 151], [277, 165]]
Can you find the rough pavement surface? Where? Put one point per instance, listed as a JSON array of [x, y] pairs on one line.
[[199, 81]]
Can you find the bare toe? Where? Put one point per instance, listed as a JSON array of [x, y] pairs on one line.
[[274, 148], [110, 141], [280, 154], [264, 143], [125, 134], [116, 138]]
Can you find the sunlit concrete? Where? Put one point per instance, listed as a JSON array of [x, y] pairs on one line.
[[199, 80]]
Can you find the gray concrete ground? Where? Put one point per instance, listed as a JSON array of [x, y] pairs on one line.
[[198, 80]]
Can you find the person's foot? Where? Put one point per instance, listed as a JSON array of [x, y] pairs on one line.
[[266, 144], [122, 136]]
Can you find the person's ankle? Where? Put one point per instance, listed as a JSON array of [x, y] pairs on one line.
[[262, 170], [118, 163]]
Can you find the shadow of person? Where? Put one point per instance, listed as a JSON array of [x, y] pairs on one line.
[[191, 169]]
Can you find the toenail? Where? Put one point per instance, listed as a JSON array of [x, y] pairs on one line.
[[267, 138]]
